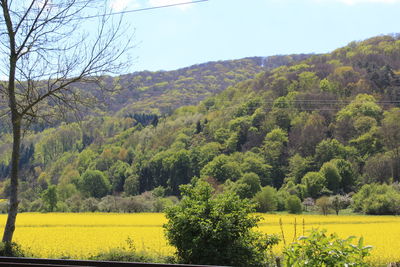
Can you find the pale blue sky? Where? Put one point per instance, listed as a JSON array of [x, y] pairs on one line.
[[176, 37]]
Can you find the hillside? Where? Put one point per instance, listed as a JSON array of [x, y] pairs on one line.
[[324, 125]]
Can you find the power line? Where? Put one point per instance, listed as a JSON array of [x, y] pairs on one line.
[[310, 101], [143, 9], [135, 10]]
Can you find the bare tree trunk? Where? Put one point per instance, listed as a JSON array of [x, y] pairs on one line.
[[16, 120]]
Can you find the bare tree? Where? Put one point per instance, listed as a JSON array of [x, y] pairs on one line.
[[47, 47]]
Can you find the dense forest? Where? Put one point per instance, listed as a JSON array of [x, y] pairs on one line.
[[281, 130]]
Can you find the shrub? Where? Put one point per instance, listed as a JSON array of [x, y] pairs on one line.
[[266, 199], [377, 199], [293, 204], [320, 249], [207, 229]]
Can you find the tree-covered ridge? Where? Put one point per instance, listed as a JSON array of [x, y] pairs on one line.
[[148, 92], [163, 91], [326, 125]]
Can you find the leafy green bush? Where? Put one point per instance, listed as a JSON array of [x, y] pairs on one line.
[[266, 199], [376, 199], [293, 204], [207, 229], [320, 249]]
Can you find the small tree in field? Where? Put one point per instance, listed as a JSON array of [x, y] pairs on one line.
[[339, 202], [293, 204], [324, 205], [207, 229]]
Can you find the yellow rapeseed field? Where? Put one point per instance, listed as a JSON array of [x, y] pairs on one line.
[[80, 235]]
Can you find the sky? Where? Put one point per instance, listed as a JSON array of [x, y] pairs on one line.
[[176, 37]]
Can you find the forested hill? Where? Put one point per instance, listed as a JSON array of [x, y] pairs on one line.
[[162, 92], [325, 125]]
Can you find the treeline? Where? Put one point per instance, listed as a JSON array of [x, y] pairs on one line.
[[322, 127]]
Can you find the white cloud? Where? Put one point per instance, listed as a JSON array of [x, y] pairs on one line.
[[119, 5], [355, 2], [156, 3]]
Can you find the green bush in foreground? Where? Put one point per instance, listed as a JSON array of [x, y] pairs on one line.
[[320, 249], [208, 229]]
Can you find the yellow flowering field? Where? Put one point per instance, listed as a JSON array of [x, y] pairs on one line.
[[80, 235]]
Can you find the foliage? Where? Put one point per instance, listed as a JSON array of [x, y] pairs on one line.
[[222, 168], [332, 176], [321, 249], [49, 197], [266, 199], [293, 204], [215, 230], [315, 184], [95, 183], [324, 204], [377, 199]]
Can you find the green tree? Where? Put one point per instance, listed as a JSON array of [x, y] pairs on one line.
[[293, 204], [299, 166], [266, 199], [50, 198], [255, 163], [94, 183], [329, 149], [222, 168], [131, 186], [347, 174], [332, 176], [274, 149], [391, 138], [253, 181], [362, 105], [207, 229], [315, 184], [118, 173]]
